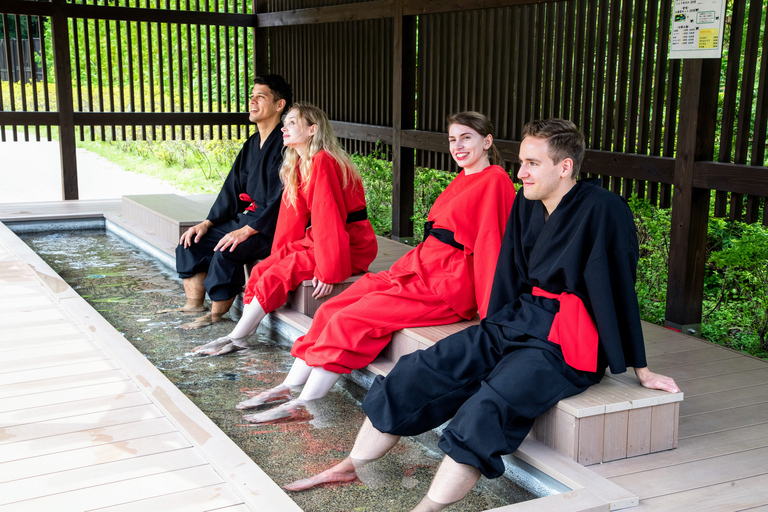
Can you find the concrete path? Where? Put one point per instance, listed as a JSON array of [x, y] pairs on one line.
[[31, 172]]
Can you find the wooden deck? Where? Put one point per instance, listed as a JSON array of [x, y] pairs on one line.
[[86, 422], [81, 402]]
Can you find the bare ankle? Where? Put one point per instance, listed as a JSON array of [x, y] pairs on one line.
[[429, 505]]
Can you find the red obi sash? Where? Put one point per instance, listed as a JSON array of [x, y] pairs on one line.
[[245, 197], [574, 330]]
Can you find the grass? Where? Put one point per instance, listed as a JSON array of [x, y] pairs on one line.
[[190, 180]]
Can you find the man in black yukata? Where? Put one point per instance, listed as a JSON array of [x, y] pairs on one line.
[[241, 223], [562, 309]]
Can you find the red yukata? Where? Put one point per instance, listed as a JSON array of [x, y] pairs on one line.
[[331, 249], [434, 284]]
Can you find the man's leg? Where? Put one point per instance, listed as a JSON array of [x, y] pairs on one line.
[[451, 483], [369, 446], [225, 278], [194, 290], [530, 378]]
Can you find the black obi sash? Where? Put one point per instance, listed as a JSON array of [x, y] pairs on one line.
[[351, 217], [444, 235]]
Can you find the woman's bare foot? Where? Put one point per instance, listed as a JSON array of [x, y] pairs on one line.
[[344, 471], [277, 394], [219, 346], [293, 411]]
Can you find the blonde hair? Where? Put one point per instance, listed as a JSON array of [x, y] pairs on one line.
[[323, 139]]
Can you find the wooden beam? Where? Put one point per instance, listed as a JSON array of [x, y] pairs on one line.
[[27, 7], [363, 132], [29, 118], [329, 14], [630, 166], [690, 206], [403, 116], [416, 7], [107, 12], [261, 61], [61, 59], [159, 118], [741, 179]]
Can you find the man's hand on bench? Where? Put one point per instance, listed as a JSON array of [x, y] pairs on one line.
[[235, 238], [652, 380], [197, 231]]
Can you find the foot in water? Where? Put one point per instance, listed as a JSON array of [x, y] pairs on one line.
[[218, 347], [340, 473], [290, 412], [197, 323], [186, 310], [277, 394]]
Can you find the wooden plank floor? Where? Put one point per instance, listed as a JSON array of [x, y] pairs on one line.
[[721, 463], [86, 422]]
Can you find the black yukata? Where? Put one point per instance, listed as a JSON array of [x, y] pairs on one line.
[[250, 196], [495, 378]]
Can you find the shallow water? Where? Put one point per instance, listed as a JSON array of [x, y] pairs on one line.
[[128, 288]]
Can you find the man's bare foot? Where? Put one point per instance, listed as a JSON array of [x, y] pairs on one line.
[[202, 321], [277, 394], [344, 471], [219, 346], [293, 411], [185, 309]]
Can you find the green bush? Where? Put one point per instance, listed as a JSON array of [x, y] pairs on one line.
[[735, 309], [377, 179]]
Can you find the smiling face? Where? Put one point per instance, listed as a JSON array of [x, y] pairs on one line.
[[469, 148], [296, 131], [262, 105], [543, 179]]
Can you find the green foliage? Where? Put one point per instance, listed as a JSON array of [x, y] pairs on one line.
[[735, 309], [653, 225], [428, 184], [204, 65], [377, 179], [736, 291]]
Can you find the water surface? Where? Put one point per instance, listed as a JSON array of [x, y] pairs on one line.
[[128, 288]]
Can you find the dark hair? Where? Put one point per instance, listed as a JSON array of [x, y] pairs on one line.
[[281, 89], [481, 125], [564, 140]]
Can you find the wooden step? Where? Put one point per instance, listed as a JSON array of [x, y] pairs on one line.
[[166, 215]]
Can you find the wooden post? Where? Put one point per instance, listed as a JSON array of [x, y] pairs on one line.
[[403, 116], [690, 206], [260, 42], [61, 60]]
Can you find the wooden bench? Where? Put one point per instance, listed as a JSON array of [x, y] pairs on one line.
[[167, 215], [615, 419]]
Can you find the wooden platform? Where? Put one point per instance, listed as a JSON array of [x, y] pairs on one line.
[[719, 463], [86, 422]]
